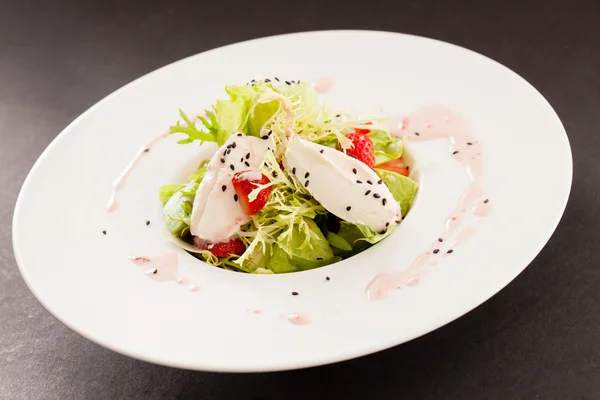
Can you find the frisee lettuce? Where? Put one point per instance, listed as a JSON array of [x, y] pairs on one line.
[[291, 233]]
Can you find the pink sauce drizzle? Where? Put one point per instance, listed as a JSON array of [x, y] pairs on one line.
[[119, 183], [163, 267], [430, 123], [298, 318], [323, 85]]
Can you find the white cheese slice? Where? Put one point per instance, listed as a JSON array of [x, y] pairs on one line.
[[346, 187], [217, 214]]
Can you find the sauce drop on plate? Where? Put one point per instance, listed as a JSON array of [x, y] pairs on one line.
[[163, 267], [298, 318]]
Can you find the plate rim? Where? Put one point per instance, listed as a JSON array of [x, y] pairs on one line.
[[284, 365]]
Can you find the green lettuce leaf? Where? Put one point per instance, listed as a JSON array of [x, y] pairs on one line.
[[403, 188], [307, 242], [192, 132], [167, 191], [338, 242], [280, 262], [386, 146], [360, 237], [178, 209], [307, 249], [259, 115]]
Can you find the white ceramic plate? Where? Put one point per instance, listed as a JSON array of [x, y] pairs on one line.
[[84, 278]]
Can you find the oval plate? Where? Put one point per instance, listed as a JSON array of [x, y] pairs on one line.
[[83, 277]]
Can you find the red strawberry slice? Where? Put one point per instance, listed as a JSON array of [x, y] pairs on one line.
[[224, 249], [362, 148], [245, 182], [398, 166], [363, 131]]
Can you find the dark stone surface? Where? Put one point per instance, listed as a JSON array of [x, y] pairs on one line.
[[537, 339]]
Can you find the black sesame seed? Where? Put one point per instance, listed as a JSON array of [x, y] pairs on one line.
[[354, 170], [470, 144], [242, 159], [367, 192], [369, 182], [358, 181], [319, 258], [294, 293], [239, 134], [275, 174], [456, 152], [228, 151], [306, 175], [450, 251], [270, 132], [247, 156], [348, 208], [407, 167], [486, 200], [235, 197], [223, 160], [247, 163], [321, 151], [252, 81], [382, 232], [224, 187], [379, 182], [337, 116], [277, 79], [327, 278], [287, 83], [146, 150], [232, 167], [147, 222], [104, 232], [376, 195], [436, 251], [233, 145], [265, 137], [224, 153], [440, 240], [294, 170], [306, 184], [417, 133], [298, 81], [267, 80], [387, 223], [155, 271], [384, 201], [229, 146]]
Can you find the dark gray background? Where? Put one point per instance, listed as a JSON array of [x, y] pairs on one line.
[[537, 339]]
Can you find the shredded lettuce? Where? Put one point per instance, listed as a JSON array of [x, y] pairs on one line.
[[178, 208], [386, 146]]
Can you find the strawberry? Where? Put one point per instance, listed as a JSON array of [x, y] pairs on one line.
[[245, 182], [223, 249], [362, 148], [398, 166], [363, 131]]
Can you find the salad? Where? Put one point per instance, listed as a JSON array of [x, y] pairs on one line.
[[294, 185]]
